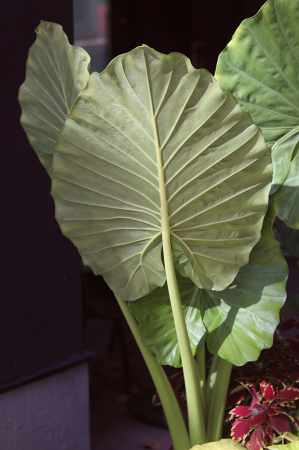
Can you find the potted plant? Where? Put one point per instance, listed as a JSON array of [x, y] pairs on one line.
[[162, 181]]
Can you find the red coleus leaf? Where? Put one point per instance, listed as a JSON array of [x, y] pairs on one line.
[[241, 411], [267, 390], [240, 429], [256, 441], [286, 396], [280, 424], [273, 410], [269, 433], [258, 417], [288, 325], [255, 396]]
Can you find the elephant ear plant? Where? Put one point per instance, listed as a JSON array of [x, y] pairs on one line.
[[162, 182]]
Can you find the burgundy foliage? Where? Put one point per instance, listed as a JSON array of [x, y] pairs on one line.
[[263, 406]]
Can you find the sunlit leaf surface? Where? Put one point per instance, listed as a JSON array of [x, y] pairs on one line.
[[241, 319], [260, 68]]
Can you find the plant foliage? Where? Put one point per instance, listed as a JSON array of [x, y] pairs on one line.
[[259, 67], [56, 72]]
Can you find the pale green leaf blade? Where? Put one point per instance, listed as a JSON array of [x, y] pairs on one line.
[[291, 446], [56, 72], [260, 68], [148, 113], [282, 155], [241, 319], [156, 323], [223, 444], [285, 200]]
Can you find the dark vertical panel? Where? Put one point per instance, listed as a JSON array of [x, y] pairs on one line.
[[198, 29], [40, 288]]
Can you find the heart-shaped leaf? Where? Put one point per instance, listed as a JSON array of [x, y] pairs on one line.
[[156, 322], [55, 74], [154, 146], [240, 320], [260, 68]]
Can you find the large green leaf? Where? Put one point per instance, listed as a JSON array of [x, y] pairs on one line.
[[152, 127], [240, 320], [285, 200], [55, 74], [260, 68], [291, 446], [223, 444], [156, 323]]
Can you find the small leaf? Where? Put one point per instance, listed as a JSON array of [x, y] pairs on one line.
[[56, 72], [267, 390], [286, 396], [256, 441], [241, 411], [240, 429]]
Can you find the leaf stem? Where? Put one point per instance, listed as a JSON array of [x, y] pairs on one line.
[[172, 410], [201, 364], [196, 417], [218, 400], [194, 396], [211, 381]]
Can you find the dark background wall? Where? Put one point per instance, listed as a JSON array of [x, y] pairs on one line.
[[40, 285], [199, 29]]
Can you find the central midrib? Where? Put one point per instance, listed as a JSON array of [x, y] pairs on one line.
[[165, 228]]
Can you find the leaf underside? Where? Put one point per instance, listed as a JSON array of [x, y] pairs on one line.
[[223, 444], [240, 320], [56, 72], [148, 114], [260, 68]]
